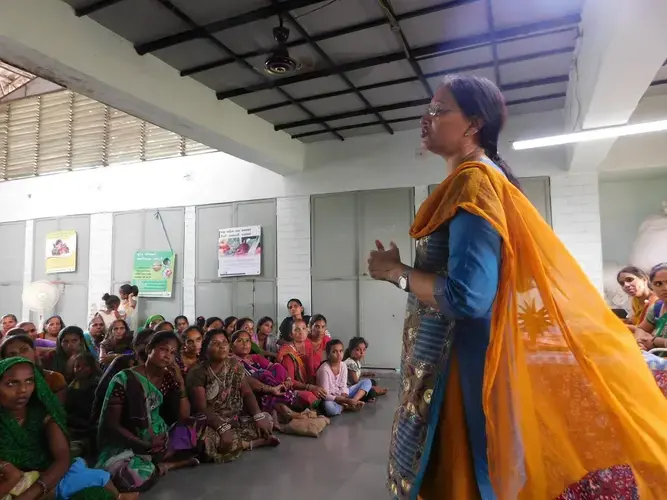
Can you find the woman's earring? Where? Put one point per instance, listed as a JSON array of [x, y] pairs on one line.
[[467, 133]]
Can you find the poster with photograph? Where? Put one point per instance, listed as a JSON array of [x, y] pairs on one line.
[[61, 252], [153, 273], [240, 251]]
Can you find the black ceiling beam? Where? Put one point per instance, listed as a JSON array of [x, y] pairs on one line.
[[419, 117], [94, 7], [332, 64], [221, 46], [224, 24], [327, 35], [417, 102], [494, 46], [358, 125], [447, 47], [410, 79], [395, 25]]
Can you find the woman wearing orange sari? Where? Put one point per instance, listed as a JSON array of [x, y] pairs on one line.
[[301, 364], [518, 382], [635, 283]]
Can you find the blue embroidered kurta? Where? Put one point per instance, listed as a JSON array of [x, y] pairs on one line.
[[465, 254]]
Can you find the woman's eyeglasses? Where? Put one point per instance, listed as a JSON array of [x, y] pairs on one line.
[[435, 110]]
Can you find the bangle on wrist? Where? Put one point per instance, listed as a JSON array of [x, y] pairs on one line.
[[42, 484], [258, 417]]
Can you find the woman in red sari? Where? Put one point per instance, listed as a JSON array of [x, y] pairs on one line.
[[319, 338], [301, 364]]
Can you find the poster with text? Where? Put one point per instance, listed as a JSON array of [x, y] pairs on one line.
[[61, 252], [154, 273], [240, 251]]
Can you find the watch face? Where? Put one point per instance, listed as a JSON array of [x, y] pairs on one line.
[[402, 282]]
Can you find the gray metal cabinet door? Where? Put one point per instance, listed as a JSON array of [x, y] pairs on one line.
[[214, 299], [240, 296], [210, 219], [141, 230], [334, 262], [72, 305], [12, 236], [386, 216], [261, 213]]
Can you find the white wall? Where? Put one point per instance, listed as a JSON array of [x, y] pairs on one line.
[[624, 205]]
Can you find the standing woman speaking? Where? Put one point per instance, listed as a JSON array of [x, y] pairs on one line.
[[518, 382]]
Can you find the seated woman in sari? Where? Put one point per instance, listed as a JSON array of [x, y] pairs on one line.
[[122, 362], [635, 283], [70, 344], [34, 450], [118, 341], [192, 338], [95, 335], [135, 440], [153, 321], [651, 332], [318, 335], [218, 387], [79, 403], [301, 365], [21, 345], [269, 381]]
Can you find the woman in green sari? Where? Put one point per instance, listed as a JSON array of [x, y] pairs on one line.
[[153, 321], [34, 449], [218, 387], [142, 432]]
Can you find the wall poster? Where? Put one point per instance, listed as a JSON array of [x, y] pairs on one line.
[[153, 273], [61, 252], [240, 251]]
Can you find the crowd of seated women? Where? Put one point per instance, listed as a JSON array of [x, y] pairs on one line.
[[105, 412]]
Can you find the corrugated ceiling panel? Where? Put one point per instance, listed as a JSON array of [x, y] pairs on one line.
[[88, 131], [54, 132], [125, 142], [22, 137]]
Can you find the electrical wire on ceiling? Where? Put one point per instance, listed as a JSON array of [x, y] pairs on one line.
[[315, 9]]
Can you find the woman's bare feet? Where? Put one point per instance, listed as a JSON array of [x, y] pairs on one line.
[[380, 391]]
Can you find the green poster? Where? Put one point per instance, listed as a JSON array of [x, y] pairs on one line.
[[154, 273]]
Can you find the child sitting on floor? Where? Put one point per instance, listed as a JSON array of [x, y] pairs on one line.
[[354, 354]]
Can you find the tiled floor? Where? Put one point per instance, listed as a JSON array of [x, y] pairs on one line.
[[348, 461]]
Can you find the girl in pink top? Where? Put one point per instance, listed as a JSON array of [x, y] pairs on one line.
[[332, 377]]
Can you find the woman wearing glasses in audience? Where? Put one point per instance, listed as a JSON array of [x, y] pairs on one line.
[[219, 388], [138, 435]]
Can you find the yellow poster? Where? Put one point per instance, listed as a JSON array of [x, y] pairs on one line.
[[61, 252]]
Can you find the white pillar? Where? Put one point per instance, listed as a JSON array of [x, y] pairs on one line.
[[101, 255], [190, 264], [29, 246], [575, 214], [293, 242]]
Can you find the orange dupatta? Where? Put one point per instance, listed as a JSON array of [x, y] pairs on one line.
[[566, 390]]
